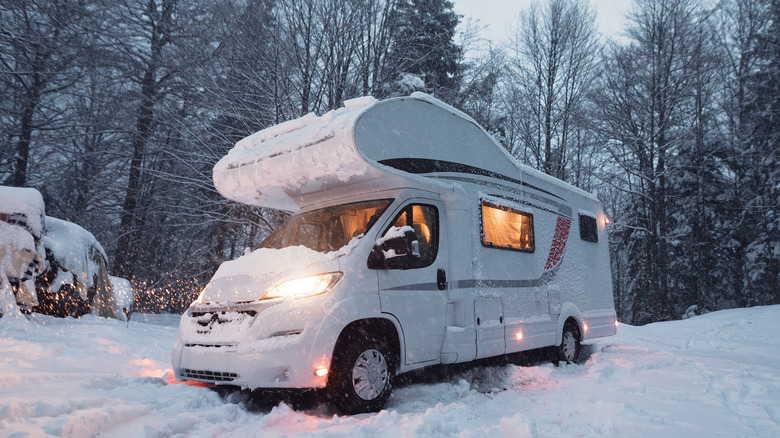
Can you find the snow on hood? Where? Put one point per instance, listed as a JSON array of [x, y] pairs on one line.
[[248, 277], [293, 157], [75, 248], [28, 204]]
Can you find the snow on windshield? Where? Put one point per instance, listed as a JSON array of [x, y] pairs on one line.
[[327, 229]]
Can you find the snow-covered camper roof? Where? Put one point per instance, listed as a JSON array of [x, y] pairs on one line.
[[284, 166], [23, 206]]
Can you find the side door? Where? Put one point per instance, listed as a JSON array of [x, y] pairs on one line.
[[489, 319], [415, 293]]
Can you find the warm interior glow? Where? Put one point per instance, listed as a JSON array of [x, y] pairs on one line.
[[519, 335], [506, 228], [320, 372]]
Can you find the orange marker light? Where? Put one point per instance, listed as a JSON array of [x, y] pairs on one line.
[[319, 372], [616, 323], [519, 335], [585, 327]]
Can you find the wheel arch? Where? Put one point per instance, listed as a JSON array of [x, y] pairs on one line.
[[570, 314], [383, 327]]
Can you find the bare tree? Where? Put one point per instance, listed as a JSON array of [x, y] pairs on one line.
[[553, 56], [378, 33], [156, 44], [480, 94], [745, 36], [646, 115], [40, 42]]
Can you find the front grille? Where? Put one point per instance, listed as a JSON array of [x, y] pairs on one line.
[[206, 321], [198, 314], [210, 345], [211, 376]]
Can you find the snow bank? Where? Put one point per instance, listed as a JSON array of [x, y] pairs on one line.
[[14, 238], [21, 224], [75, 248], [123, 293], [26, 204], [710, 375], [17, 250]]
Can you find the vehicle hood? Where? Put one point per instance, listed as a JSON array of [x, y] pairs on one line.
[[249, 277]]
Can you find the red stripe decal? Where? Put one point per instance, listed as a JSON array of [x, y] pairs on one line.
[[559, 242]]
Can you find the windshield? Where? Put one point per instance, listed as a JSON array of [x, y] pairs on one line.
[[327, 229]]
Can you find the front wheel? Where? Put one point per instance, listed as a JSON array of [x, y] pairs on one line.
[[569, 350], [362, 375]]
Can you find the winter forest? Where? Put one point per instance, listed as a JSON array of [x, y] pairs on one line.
[[117, 111]]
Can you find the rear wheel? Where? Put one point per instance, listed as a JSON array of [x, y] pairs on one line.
[[361, 377], [569, 350]]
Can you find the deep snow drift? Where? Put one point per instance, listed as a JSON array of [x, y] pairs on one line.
[[712, 375]]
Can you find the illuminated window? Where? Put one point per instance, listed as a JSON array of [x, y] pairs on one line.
[[424, 220], [588, 231], [327, 229], [504, 227]]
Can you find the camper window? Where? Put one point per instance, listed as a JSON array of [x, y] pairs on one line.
[[588, 230], [424, 220], [327, 229], [507, 228]]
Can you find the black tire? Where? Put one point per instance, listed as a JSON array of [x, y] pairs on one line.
[[362, 371], [569, 349]]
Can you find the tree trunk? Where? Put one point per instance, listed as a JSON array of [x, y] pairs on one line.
[[19, 177], [132, 222]]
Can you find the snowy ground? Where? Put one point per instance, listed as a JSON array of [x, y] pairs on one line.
[[712, 375]]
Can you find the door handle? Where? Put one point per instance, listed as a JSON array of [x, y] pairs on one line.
[[441, 279]]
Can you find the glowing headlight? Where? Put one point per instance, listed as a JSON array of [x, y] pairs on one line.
[[304, 286]]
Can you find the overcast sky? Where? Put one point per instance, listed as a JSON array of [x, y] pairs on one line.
[[500, 16]]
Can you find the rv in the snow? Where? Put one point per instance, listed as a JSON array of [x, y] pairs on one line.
[[416, 240]]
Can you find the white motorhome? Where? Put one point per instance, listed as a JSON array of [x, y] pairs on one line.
[[416, 240]]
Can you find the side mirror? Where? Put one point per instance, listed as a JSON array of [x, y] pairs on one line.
[[399, 248]]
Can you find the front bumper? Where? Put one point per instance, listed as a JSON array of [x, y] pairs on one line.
[[236, 347], [279, 362]]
